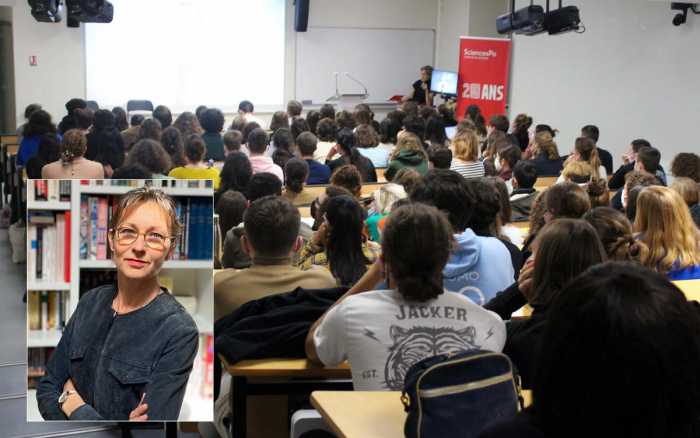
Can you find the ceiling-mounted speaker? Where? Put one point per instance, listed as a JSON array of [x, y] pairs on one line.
[[301, 15]]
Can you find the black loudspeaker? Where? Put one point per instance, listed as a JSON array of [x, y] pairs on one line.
[[301, 15]]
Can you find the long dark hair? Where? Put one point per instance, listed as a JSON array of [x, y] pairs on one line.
[[346, 141], [40, 123], [171, 139], [633, 342], [346, 259], [236, 173], [435, 131], [105, 143], [120, 118]]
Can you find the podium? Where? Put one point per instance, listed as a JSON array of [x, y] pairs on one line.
[[347, 101]]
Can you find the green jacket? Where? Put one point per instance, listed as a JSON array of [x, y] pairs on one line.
[[406, 158]]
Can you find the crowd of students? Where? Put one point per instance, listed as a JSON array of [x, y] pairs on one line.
[[431, 261]]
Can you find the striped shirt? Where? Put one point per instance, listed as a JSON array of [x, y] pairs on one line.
[[468, 169]]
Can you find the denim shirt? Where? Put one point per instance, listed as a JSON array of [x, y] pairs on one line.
[[113, 359]]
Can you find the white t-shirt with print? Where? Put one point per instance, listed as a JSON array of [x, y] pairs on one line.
[[382, 335]]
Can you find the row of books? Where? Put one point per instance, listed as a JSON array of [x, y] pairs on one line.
[[49, 190], [49, 240], [47, 310], [158, 183], [36, 364], [194, 243]]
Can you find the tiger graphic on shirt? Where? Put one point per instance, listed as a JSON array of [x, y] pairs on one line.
[[417, 343]]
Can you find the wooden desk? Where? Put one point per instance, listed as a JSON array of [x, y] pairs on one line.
[[279, 376], [545, 181], [691, 288], [380, 174], [366, 413]]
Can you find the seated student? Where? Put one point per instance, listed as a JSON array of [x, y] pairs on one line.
[[246, 110], [383, 201], [349, 154], [628, 159], [296, 171], [131, 134], [345, 120], [49, 151], [163, 115], [298, 125], [435, 134], [520, 131], [212, 121], [687, 165], [151, 155], [409, 153], [318, 173], [327, 131], [367, 143], [339, 243], [504, 227], [150, 129], [271, 235], [690, 192], [284, 147], [84, 119], [39, 124], [495, 142], [479, 266], [563, 249], [349, 178], [196, 168], [416, 126], [524, 193], [664, 224], [486, 216], [279, 119], [388, 130], [439, 157], [28, 111], [230, 207], [545, 155], [585, 150], [72, 163], [312, 118], [498, 122], [171, 140], [505, 161], [646, 162], [70, 121], [606, 159], [235, 174], [134, 171], [294, 108], [257, 145], [465, 160], [447, 115], [612, 316], [327, 111], [634, 183], [382, 333], [120, 122], [616, 234], [188, 124], [581, 173], [104, 142], [232, 142], [577, 172]]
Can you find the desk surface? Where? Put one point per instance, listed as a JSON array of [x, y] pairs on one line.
[[366, 413], [285, 368]]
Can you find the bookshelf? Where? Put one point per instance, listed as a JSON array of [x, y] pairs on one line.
[[189, 280]]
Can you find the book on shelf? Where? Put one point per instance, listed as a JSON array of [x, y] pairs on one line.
[[92, 278], [207, 387], [46, 310], [194, 213], [164, 183], [49, 242], [49, 190], [37, 359]]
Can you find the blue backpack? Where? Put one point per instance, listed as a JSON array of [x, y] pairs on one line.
[[459, 394]]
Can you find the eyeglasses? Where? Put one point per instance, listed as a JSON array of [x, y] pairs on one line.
[[153, 240]]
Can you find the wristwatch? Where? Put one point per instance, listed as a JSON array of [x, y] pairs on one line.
[[64, 396]]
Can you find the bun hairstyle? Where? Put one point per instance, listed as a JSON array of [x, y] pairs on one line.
[[586, 148], [598, 192], [545, 143], [73, 145], [412, 231], [295, 172], [615, 232]]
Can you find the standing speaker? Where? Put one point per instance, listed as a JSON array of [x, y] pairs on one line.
[[301, 15]]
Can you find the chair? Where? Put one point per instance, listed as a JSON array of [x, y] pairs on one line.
[[139, 105], [306, 420], [91, 104]]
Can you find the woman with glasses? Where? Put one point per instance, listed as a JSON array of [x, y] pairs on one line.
[[127, 351]]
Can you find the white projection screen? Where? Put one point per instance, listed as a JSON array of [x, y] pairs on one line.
[[185, 53]]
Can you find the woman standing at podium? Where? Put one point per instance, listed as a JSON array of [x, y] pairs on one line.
[[421, 88]]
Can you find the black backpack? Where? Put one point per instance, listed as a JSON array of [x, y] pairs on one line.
[[459, 394]]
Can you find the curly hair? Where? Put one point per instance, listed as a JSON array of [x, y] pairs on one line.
[[171, 140], [151, 155], [686, 164], [73, 145], [212, 120], [188, 124], [349, 177], [366, 137]]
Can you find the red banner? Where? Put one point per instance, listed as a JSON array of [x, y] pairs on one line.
[[483, 75]]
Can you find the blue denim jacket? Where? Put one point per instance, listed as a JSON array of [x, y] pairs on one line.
[[113, 360]]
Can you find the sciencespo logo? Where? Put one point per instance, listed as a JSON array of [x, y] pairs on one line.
[[480, 54]]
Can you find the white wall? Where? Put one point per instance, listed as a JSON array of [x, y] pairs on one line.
[[453, 22], [632, 73]]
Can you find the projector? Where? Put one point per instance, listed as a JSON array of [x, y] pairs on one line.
[[47, 11], [526, 21], [562, 20], [90, 11]]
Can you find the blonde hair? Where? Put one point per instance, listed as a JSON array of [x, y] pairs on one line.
[[385, 197], [408, 141], [578, 172], [545, 143], [136, 197], [466, 146], [666, 227], [688, 189], [73, 144]]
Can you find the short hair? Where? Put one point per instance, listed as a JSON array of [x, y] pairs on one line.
[[418, 278], [233, 140], [271, 225], [263, 184], [449, 192], [247, 129], [639, 143], [362, 117], [294, 108], [591, 131], [137, 119], [428, 69], [525, 172], [246, 106], [298, 126], [150, 128], [349, 177], [151, 155], [466, 146], [212, 120], [279, 120], [440, 156], [295, 173], [487, 205], [199, 111], [686, 164], [74, 104], [230, 207], [546, 128], [327, 111], [84, 117], [512, 154], [238, 124], [134, 198], [344, 120], [500, 122], [307, 142], [414, 125], [567, 200], [195, 148], [258, 141], [283, 140], [688, 189], [73, 145], [30, 109], [409, 178], [650, 158], [163, 115], [326, 129]]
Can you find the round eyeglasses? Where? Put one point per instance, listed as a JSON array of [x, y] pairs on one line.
[[153, 240]]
